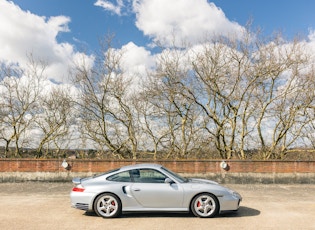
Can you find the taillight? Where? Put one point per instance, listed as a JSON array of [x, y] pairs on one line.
[[76, 189]]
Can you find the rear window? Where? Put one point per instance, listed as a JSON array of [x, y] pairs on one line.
[[102, 174], [120, 177]]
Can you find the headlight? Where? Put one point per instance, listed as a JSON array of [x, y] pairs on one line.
[[235, 194]]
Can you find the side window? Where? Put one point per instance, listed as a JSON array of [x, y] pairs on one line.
[[120, 177], [148, 176]]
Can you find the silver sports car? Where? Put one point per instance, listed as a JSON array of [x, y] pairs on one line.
[[152, 188]]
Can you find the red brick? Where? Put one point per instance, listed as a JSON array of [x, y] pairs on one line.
[[181, 166]]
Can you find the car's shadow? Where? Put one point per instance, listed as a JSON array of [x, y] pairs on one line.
[[242, 212]]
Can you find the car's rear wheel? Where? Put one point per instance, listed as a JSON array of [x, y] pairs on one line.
[[205, 205], [107, 205]]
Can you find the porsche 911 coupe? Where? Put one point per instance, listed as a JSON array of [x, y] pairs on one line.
[[152, 188]]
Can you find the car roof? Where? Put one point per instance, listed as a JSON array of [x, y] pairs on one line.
[[143, 165]]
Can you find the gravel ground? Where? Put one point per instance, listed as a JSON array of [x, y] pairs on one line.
[[47, 206]]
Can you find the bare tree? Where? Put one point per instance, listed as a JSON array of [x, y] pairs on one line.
[[107, 117], [20, 89], [279, 100], [247, 86], [304, 106], [220, 91], [153, 129], [53, 119], [176, 112]]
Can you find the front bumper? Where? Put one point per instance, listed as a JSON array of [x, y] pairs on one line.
[[230, 202]]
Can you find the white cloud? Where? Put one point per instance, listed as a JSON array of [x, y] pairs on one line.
[[184, 20], [23, 33], [109, 6], [136, 60], [311, 35]]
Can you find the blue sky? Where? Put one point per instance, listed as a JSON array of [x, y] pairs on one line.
[[90, 22], [290, 16], [57, 30]]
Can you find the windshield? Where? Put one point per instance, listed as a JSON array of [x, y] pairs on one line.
[[176, 176]]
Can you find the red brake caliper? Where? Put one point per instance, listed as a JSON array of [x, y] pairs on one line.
[[198, 204]]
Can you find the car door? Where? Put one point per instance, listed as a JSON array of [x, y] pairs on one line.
[[151, 191]]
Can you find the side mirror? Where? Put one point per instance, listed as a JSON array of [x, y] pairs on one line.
[[168, 181]]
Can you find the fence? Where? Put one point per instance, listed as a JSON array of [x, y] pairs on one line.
[[235, 171]]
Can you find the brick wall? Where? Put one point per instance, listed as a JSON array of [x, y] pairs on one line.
[[190, 167]]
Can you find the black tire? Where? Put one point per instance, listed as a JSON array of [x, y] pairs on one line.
[[107, 205], [205, 205]]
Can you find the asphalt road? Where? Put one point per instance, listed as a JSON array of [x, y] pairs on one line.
[[47, 206]]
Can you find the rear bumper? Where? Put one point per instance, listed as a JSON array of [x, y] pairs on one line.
[[80, 206], [82, 200]]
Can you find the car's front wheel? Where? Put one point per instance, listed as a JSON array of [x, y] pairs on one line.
[[205, 205], [107, 205]]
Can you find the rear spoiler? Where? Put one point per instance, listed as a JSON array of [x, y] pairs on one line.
[[76, 180]]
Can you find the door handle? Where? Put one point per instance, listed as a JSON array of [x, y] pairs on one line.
[[136, 189]]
